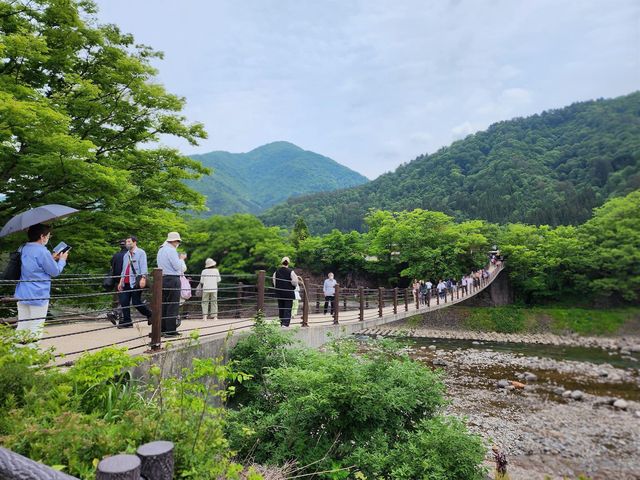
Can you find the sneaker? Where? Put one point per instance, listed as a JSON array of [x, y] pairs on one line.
[[112, 317], [171, 334], [125, 325]]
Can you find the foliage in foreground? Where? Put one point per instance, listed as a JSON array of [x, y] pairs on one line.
[[71, 419], [376, 414]]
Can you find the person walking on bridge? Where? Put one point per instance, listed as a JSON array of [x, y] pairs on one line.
[[329, 291], [171, 265], [442, 288], [34, 288], [133, 279], [285, 281], [209, 279]]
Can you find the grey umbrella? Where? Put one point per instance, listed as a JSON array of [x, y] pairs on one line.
[[36, 215]]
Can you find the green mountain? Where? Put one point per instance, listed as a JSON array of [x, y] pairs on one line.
[[551, 168], [251, 182]]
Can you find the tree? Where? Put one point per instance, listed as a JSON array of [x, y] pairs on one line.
[[300, 232], [80, 122]]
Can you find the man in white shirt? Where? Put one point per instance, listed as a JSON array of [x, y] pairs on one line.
[[329, 291]]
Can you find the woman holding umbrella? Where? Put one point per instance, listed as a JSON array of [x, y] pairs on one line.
[[34, 287]]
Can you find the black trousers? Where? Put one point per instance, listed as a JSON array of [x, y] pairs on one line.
[[329, 300], [126, 297], [170, 302], [284, 311]]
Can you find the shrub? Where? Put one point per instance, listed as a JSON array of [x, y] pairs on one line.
[[343, 411]]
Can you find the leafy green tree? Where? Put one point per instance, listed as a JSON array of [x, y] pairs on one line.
[[300, 232], [80, 120], [239, 243]]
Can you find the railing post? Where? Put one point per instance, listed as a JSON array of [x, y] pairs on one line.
[[458, 292], [156, 311], [119, 467], [361, 298], [261, 277], [305, 305], [406, 299], [395, 300], [336, 304], [380, 301], [418, 300], [157, 460], [240, 291], [318, 298], [437, 296]]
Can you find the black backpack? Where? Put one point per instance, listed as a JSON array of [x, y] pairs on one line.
[[14, 267]]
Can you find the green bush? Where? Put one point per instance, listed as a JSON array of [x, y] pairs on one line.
[[72, 419], [344, 411]]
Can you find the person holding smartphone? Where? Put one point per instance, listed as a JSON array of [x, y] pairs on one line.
[[34, 288], [133, 279]]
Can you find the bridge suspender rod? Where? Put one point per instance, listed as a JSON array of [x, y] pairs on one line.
[[361, 297], [380, 301]]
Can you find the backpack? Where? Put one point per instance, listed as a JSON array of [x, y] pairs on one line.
[[14, 267]]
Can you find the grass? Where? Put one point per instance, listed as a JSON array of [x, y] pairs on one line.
[[559, 320]]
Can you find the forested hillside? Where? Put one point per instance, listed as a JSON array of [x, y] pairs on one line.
[[251, 182], [551, 168]]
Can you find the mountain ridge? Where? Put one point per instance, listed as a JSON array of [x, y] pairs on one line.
[[551, 168], [252, 181]]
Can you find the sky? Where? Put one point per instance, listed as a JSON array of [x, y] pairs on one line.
[[375, 83]]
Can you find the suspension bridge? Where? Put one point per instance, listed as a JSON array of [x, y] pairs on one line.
[[78, 323]]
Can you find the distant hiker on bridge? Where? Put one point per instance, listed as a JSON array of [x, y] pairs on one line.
[[209, 279], [34, 288], [425, 292], [442, 288], [132, 281], [416, 290], [329, 291], [171, 265], [285, 281]]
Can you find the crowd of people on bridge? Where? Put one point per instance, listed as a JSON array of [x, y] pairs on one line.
[[425, 290]]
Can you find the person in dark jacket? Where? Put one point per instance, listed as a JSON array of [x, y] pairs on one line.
[[285, 282], [117, 260]]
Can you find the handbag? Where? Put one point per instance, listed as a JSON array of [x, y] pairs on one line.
[[109, 282], [185, 288], [198, 292], [14, 267]]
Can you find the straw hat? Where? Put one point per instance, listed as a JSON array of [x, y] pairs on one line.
[[285, 260], [209, 262], [173, 237]]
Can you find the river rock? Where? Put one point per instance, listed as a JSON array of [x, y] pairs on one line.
[[638, 413], [635, 348], [621, 404], [517, 384], [440, 363], [503, 383], [530, 377], [577, 395], [432, 347], [567, 393], [558, 390]]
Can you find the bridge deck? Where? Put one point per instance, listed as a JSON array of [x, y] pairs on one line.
[[72, 339]]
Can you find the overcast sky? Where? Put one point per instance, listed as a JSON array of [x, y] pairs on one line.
[[372, 83]]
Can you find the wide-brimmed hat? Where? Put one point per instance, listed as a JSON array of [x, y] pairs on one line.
[[285, 260], [209, 262], [173, 237]]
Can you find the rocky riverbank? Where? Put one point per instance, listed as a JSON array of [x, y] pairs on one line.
[[551, 417]]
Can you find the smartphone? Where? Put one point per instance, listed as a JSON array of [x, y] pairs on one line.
[[61, 248]]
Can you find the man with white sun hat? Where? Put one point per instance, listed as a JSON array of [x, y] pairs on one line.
[[171, 265]]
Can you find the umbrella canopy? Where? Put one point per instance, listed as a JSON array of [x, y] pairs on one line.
[[34, 216]]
